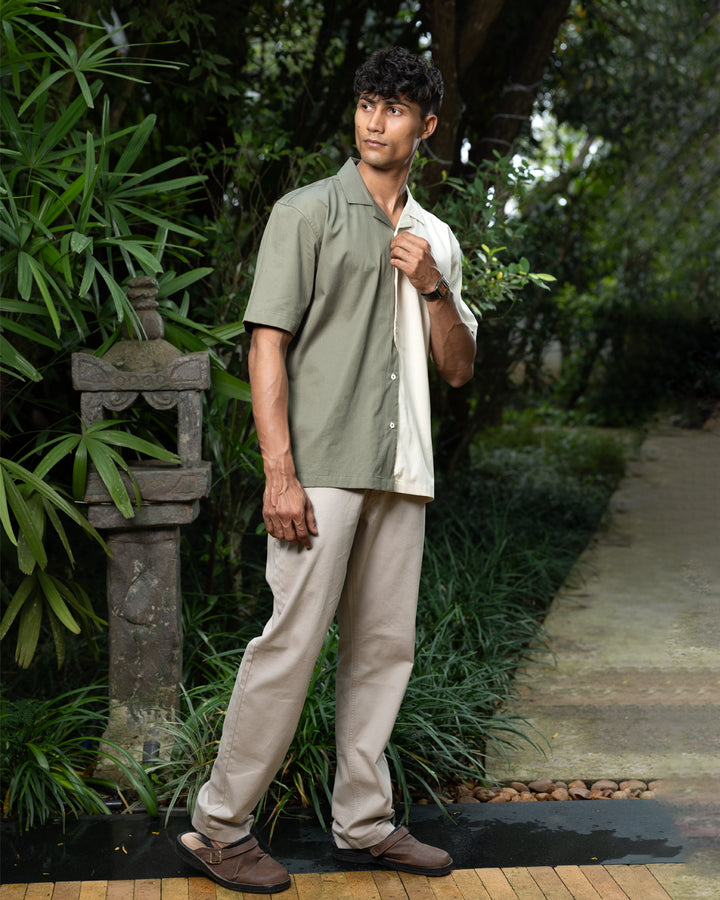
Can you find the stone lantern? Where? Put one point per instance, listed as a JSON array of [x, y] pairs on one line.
[[143, 571]]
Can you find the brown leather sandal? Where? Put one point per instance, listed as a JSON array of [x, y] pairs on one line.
[[400, 851], [241, 866]]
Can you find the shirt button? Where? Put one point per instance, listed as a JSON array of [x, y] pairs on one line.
[[393, 377], [392, 424]]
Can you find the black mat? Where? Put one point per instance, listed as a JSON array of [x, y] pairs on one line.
[[476, 835]]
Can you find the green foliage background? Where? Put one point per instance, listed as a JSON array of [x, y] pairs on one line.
[[630, 214], [156, 142]]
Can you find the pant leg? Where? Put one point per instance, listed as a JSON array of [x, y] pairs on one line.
[[272, 683], [375, 658]]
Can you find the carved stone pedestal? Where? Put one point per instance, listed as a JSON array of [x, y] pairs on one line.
[[144, 601], [143, 574]]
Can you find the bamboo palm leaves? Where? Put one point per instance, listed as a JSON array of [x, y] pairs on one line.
[[78, 216]]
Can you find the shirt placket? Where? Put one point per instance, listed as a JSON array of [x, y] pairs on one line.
[[395, 371]]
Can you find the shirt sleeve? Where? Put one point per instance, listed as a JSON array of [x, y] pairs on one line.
[[285, 271], [455, 281]]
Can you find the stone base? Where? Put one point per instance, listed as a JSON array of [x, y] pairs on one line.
[[140, 733]]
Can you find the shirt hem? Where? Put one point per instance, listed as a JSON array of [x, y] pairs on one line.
[[364, 484]]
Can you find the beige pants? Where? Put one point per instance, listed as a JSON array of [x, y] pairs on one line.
[[365, 565]]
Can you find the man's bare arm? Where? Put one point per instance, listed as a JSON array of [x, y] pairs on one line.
[[287, 511], [451, 342]]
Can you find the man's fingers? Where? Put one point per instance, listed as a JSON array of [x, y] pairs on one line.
[[310, 519], [301, 535], [408, 241], [293, 531], [413, 256], [409, 248], [274, 528], [288, 515]]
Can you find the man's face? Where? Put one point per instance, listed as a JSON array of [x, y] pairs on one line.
[[388, 130]]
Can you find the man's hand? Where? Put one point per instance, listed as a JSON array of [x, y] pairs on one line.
[[288, 512], [412, 255]]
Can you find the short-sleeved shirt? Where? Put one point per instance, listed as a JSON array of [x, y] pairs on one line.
[[359, 400]]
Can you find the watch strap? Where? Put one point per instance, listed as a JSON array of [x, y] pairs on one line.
[[441, 290]]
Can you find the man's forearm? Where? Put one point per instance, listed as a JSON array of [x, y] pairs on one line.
[[287, 511], [451, 342], [269, 390]]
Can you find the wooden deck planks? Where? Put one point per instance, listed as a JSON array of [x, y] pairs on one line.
[[222, 893], [200, 888], [68, 890], [577, 883], [603, 882], [469, 884], [550, 883], [516, 883], [335, 884], [442, 888], [417, 887], [362, 886], [175, 888], [148, 889], [13, 891], [389, 885], [39, 892], [496, 884], [309, 887], [120, 890], [637, 882], [523, 883], [93, 890]]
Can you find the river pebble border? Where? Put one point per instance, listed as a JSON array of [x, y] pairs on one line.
[[544, 789]]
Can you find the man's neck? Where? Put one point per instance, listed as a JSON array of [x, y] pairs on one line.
[[387, 188]]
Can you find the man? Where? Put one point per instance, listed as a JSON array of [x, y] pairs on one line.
[[355, 283]]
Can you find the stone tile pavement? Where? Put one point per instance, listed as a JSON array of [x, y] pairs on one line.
[[634, 689]]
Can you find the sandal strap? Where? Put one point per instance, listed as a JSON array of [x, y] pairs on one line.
[[215, 856], [390, 841]]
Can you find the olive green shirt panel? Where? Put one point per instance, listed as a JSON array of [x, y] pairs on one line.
[[324, 275], [285, 271]]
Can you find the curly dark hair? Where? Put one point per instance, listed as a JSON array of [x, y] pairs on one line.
[[395, 73]]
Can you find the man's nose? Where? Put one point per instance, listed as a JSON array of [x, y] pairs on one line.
[[375, 122]]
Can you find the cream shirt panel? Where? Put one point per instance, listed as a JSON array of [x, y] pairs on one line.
[[414, 472]]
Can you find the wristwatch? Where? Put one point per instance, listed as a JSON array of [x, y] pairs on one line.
[[440, 291]]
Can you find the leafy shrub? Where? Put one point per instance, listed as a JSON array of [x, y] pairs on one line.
[[48, 752], [556, 479]]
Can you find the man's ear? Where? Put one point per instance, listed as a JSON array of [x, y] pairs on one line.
[[429, 125]]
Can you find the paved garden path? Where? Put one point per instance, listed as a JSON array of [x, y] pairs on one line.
[[634, 691]]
